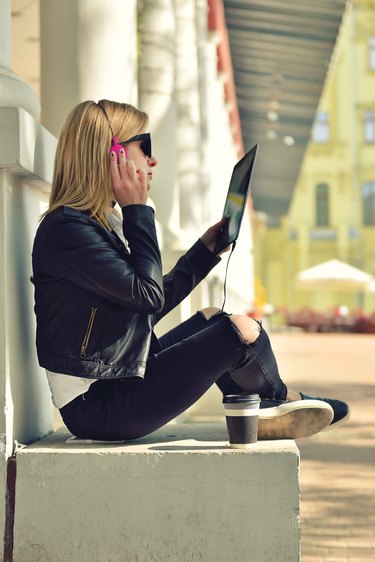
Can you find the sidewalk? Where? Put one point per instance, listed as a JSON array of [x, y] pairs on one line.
[[337, 467]]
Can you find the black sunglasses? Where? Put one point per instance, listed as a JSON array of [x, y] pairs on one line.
[[145, 139]]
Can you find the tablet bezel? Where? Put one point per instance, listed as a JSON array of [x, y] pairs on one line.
[[224, 239]]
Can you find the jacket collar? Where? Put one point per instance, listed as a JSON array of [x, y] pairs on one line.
[[110, 235]]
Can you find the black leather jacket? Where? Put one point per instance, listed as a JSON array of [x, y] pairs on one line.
[[95, 303]]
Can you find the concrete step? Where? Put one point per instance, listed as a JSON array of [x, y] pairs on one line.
[[178, 495]]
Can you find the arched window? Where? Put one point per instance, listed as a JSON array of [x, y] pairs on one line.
[[322, 204]]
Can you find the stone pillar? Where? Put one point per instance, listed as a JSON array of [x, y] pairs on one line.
[[25, 407], [13, 92], [189, 119], [204, 61], [88, 51], [157, 98], [21, 416]]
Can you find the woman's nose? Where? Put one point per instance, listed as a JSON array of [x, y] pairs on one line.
[[152, 162]]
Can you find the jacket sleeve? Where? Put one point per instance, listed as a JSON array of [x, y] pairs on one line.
[[83, 256], [190, 269]]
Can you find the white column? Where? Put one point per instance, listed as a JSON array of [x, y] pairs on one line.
[[25, 407], [157, 98], [88, 51], [13, 91], [203, 58], [188, 111], [23, 416]]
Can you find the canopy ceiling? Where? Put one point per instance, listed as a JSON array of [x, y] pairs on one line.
[[281, 50]]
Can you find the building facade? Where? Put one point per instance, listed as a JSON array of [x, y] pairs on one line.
[[332, 212]]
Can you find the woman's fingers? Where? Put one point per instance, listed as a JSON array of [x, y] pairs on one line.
[[219, 225], [115, 174], [142, 177], [130, 170], [129, 185]]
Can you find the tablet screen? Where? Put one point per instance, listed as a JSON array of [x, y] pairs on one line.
[[236, 199]]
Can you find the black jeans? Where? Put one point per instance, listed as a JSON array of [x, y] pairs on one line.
[[193, 356]]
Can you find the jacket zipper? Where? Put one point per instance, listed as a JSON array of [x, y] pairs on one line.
[[86, 339]]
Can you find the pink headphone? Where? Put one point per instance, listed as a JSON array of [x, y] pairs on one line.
[[115, 147]]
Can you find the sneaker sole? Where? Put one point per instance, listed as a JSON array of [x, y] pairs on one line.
[[294, 420]]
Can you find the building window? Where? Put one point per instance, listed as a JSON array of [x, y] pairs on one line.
[[371, 55], [322, 204], [320, 132], [368, 199], [369, 126]]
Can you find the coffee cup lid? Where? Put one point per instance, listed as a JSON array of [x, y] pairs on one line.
[[240, 398]]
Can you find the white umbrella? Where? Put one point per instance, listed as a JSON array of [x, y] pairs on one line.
[[335, 275]]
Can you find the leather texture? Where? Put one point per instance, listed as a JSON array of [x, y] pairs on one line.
[[96, 303]]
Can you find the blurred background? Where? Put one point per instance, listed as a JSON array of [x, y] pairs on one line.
[[216, 77]]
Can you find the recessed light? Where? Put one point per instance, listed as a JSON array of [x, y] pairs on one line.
[[272, 116], [289, 141], [270, 134]]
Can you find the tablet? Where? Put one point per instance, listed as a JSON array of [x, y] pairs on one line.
[[239, 188]]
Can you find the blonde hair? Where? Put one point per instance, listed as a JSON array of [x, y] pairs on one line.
[[81, 177]]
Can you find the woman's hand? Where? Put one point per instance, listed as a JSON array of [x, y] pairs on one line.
[[129, 185], [210, 236]]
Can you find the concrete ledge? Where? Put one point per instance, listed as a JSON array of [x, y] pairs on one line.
[[181, 494]]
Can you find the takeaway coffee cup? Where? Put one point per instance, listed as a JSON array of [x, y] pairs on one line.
[[242, 414]]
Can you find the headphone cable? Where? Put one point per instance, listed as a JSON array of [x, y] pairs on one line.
[[226, 274]]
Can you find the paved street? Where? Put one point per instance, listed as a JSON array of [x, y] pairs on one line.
[[337, 467]]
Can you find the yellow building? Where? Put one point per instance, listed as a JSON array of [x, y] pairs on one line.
[[332, 212]]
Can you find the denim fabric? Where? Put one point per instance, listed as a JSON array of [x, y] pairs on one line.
[[193, 356]]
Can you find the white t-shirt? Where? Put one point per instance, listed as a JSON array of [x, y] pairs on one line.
[[64, 388]]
